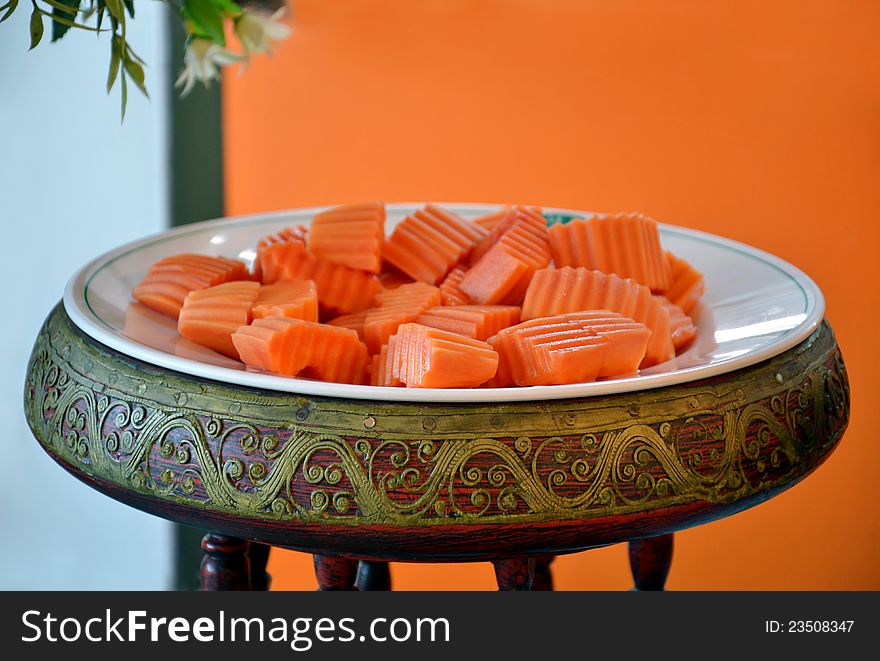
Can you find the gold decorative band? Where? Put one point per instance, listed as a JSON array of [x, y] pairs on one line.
[[259, 454]]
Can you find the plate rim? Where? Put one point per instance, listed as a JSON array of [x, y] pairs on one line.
[[76, 306]]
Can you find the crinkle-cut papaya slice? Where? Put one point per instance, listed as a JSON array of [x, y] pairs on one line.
[[292, 346], [341, 290], [337, 357], [401, 354], [628, 339], [503, 377], [682, 328], [276, 251], [428, 243], [557, 291], [276, 344], [354, 321], [537, 346], [169, 280], [498, 224], [395, 307], [627, 244], [350, 235], [491, 220], [210, 316], [503, 272], [381, 372], [554, 352], [477, 321], [289, 239], [688, 284], [413, 293], [432, 358], [493, 277], [450, 294], [294, 232], [297, 299], [391, 278]]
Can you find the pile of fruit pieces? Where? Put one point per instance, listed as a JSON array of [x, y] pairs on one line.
[[443, 302]]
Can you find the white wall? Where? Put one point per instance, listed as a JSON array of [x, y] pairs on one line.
[[73, 183]]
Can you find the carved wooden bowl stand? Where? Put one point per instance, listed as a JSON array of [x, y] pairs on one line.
[[369, 481]]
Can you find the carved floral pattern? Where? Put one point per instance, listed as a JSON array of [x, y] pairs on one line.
[[100, 414]]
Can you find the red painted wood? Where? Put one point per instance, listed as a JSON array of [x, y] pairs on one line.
[[480, 518], [373, 576], [515, 573], [335, 573], [543, 575], [459, 533], [450, 542], [650, 560], [258, 557], [225, 565], [695, 440]]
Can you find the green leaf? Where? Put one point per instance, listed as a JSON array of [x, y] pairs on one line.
[[36, 27], [206, 20], [129, 5], [88, 12], [137, 58], [115, 59], [135, 71], [229, 7], [124, 96], [100, 9], [116, 10], [70, 23], [60, 29], [58, 4], [13, 5]]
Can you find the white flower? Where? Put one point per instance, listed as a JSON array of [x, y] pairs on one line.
[[202, 62], [257, 31]]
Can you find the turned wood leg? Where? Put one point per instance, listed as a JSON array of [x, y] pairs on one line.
[[258, 557], [335, 573], [515, 574], [543, 576], [650, 560], [373, 576], [225, 564]]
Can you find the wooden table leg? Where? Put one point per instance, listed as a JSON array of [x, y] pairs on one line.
[[543, 576], [335, 573], [225, 564], [515, 574], [373, 576], [650, 560], [258, 557]]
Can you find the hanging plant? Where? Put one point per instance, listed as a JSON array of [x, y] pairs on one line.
[[207, 23]]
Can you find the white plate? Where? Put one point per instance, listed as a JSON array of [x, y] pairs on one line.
[[755, 307]]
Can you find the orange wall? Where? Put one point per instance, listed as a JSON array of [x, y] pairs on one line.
[[755, 120]]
